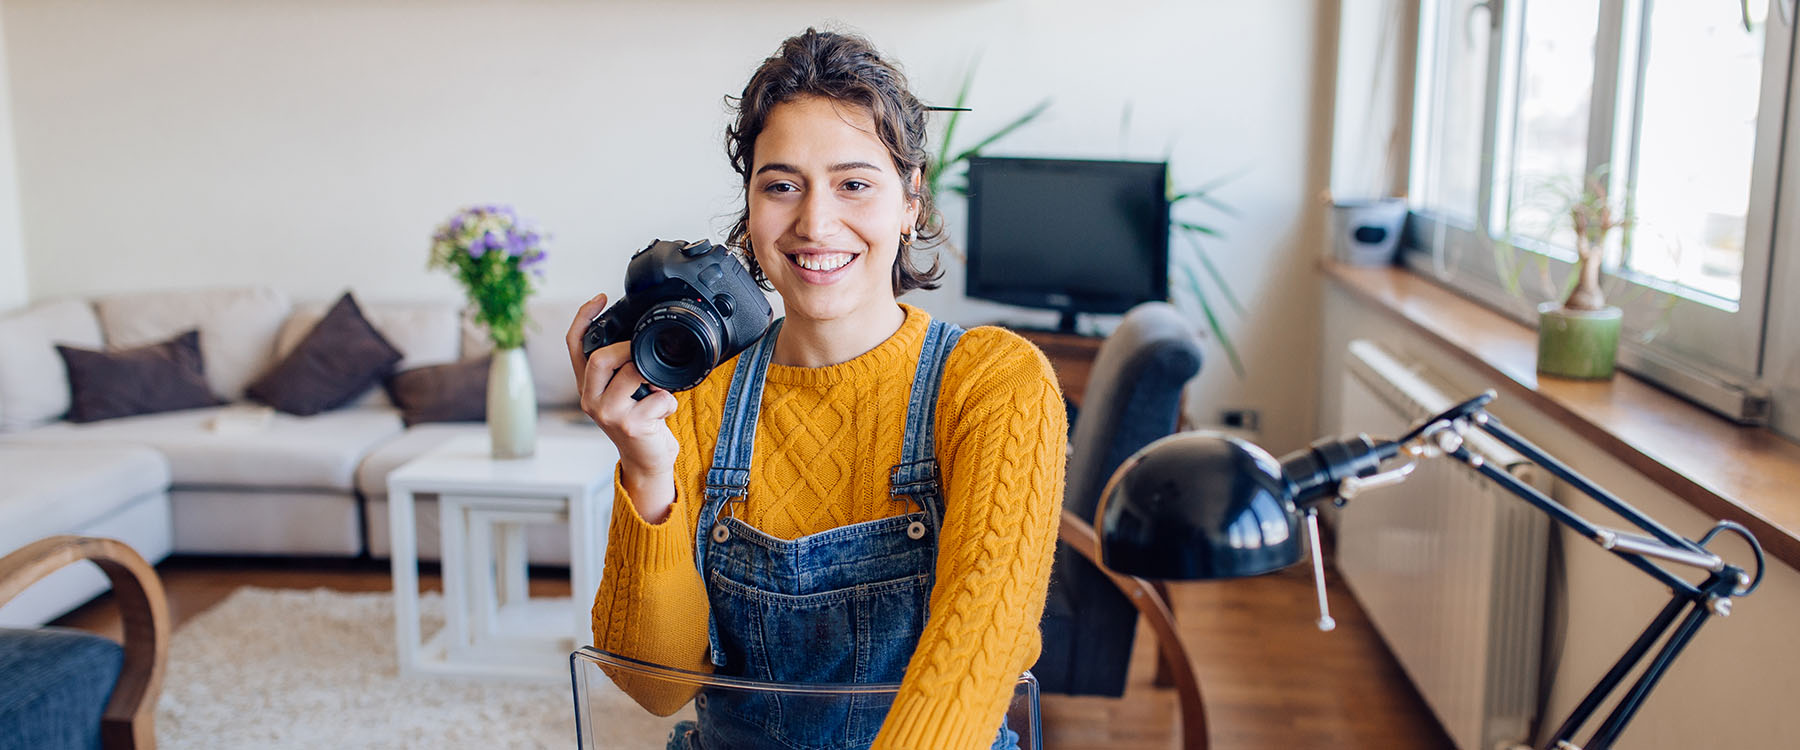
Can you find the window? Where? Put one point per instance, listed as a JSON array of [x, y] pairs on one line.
[[1676, 107]]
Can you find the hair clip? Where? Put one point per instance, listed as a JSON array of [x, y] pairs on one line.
[[930, 108]]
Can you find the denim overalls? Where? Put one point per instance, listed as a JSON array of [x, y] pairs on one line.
[[845, 605]]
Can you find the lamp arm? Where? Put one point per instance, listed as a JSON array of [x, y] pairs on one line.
[[1605, 538], [1492, 426], [1204, 505], [1442, 435]]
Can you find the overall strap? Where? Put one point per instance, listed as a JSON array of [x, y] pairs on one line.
[[916, 476], [729, 477]]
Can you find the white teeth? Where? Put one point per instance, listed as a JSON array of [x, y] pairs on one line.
[[824, 261]]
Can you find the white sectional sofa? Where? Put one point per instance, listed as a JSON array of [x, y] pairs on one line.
[[209, 481]]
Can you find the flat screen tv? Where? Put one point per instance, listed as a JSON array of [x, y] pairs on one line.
[[1068, 235]]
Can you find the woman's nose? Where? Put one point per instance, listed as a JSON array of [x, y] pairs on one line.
[[818, 216]]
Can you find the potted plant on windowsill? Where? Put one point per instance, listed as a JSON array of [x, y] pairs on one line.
[[1578, 337]]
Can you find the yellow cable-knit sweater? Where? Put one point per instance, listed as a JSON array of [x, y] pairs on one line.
[[824, 444]]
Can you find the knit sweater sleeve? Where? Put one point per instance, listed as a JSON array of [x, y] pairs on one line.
[[652, 604], [1001, 435]]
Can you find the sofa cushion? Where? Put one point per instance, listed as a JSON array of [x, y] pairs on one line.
[[59, 489], [286, 452], [545, 349], [341, 358], [454, 392], [34, 386], [237, 327], [142, 380], [58, 682], [426, 333]]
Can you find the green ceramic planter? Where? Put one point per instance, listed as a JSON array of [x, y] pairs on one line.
[[1577, 343]]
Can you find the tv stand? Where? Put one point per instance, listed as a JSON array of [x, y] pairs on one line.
[[1067, 323]]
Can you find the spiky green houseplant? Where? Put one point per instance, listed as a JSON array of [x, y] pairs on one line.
[[948, 172], [1195, 235], [949, 169]]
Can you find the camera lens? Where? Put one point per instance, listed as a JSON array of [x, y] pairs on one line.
[[674, 347], [676, 344]]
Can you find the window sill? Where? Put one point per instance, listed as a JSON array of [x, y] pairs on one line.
[[1742, 474]]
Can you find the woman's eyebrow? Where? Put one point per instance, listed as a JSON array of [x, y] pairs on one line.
[[843, 166]]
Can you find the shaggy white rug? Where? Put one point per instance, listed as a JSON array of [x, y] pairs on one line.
[[316, 669]]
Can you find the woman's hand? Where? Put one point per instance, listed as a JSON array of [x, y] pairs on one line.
[[639, 429]]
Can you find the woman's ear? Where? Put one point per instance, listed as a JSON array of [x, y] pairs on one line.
[[913, 204]]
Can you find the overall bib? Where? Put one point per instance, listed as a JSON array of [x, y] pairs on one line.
[[845, 605]]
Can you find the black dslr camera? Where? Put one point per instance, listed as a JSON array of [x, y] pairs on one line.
[[687, 307]]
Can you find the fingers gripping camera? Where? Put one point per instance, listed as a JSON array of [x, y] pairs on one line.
[[688, 307]]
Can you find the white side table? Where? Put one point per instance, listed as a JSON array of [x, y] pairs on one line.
[[493, 628]]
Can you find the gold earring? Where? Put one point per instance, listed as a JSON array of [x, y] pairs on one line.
[[906, 239]]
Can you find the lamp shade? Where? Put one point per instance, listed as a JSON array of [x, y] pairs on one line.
[[1196, 506]]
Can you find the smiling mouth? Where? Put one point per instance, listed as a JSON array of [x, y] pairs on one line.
[[821, 262]]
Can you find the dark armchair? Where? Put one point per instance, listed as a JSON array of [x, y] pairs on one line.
[[68, 689], [1133, 397]]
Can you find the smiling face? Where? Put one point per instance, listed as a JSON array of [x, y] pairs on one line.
[[827, 209]]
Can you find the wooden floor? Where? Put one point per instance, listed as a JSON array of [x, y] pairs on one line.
[[1270, 679]]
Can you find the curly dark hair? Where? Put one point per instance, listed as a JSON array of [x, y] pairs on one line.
[[844, 68]]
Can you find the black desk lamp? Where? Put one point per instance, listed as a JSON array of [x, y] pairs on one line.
[[1201, 505]]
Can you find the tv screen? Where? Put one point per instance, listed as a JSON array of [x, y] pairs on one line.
[[1069, 235]]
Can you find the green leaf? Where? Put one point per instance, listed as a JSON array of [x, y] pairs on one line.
[[1213, 271], [1200, 229], [1505, 262], [1204, 194], [1019, 122], [943, 161], [1212, 322]]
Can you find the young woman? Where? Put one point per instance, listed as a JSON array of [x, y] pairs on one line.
[[878, 499]]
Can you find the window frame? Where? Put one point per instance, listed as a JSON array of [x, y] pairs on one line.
[[1701, 348]]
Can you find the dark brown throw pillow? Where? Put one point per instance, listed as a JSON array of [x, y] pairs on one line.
[[342, 357], [142, 380], [454, 392]]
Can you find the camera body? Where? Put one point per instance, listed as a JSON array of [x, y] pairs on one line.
[[688, 306]]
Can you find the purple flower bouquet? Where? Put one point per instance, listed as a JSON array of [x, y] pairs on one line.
[[496, 256]]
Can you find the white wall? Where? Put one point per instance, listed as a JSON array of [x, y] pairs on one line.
[[1368, 156], [13, 289], [1733, 687], [314, 144]]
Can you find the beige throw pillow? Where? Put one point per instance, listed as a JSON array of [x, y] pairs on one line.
[[237, 328]]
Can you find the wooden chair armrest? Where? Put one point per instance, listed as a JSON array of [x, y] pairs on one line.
[[129, 721], [1075, 532]]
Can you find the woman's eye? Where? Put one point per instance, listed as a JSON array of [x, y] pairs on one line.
[[856, 185], [779, 187]]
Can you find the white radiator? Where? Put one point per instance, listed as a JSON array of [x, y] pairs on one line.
[[1449, 567]]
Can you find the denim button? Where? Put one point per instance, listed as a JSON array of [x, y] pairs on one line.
[[700, 700], [720, 534], [915, 530]]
